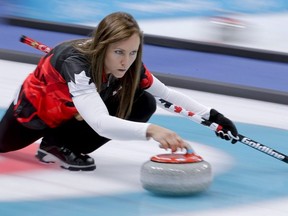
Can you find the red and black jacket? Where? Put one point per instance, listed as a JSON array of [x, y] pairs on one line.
[[44, 99]]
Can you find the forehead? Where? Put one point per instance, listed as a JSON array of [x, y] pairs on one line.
[[132, 42]]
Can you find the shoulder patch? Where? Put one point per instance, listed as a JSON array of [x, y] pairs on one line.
[[146, 78]]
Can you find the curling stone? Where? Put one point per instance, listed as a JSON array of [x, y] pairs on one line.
[[176, 174]]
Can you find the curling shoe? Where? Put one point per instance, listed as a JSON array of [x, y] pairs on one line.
[[65, 157]]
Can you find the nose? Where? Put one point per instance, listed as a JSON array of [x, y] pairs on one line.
[[125, 61]]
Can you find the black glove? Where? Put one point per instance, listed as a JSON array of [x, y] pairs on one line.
[[228, 126]]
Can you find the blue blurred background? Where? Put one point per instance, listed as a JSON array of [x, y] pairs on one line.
[[237, 35]]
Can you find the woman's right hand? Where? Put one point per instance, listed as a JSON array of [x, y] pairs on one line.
[[168, 139]]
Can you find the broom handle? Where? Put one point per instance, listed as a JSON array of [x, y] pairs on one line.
[[216, 127]]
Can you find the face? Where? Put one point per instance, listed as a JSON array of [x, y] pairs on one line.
[[121, 55]]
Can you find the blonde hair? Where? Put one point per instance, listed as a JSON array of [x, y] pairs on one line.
[[113, 28]]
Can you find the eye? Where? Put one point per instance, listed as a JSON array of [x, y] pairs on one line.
[[133, 52], [120, 52]]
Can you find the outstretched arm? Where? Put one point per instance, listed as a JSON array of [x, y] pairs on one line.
[[228, 132], [93, 110]]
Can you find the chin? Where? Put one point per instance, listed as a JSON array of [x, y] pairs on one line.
[[119, 75]]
